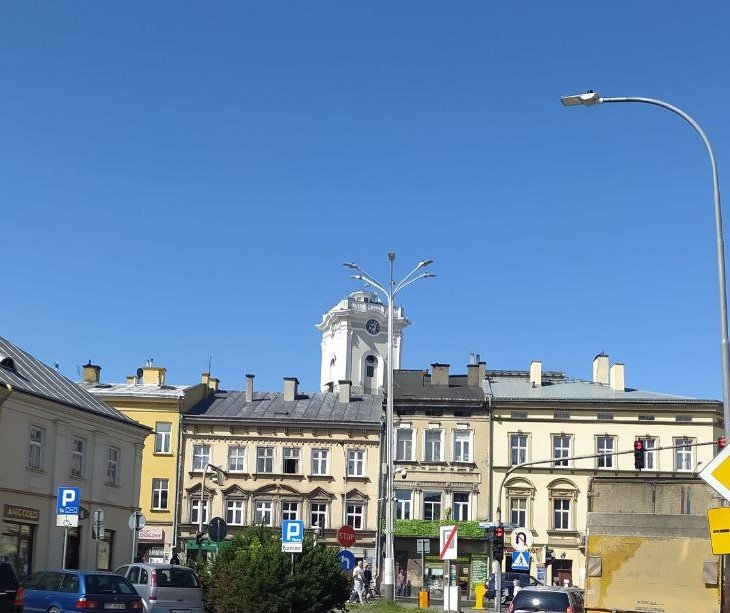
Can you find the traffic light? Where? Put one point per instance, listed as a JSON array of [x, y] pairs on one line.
[[498, 543], [721, 443], [218, 476], [490, 538], [549, 556], [199, 536], [639, 460]]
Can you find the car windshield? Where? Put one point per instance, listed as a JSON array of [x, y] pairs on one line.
[[529, 600], [108, 584], [176, 577]]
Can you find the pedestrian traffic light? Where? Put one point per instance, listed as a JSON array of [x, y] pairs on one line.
[[498, 543], [639, 459], [549, 556], [721, 443], [199, 537]]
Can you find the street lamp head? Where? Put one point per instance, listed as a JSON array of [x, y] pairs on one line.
[[358, 277], [588, 99], [350, 265], [428, 275], [425, 263], [391, 255]]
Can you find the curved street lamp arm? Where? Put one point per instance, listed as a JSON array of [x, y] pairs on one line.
[[402, 282], [368, 279], [401, 285]]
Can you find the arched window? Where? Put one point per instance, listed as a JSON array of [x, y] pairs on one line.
[[563, 496], [371, 367], [520, 500]]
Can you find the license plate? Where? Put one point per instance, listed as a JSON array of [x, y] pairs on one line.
[[115, 605]]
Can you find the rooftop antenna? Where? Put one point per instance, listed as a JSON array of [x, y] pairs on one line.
[[210, 361]]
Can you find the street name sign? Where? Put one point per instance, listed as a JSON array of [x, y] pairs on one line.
[[292, 535], [719, 521], [717, 473], [521, 539], [448, 542], [520, 560]]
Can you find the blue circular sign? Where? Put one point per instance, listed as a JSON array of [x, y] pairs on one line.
[[347, 559]]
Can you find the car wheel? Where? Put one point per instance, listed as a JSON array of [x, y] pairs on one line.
[[54, 610]]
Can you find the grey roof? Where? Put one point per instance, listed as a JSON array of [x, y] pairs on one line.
[[140, 390], [515, 385], [27, 374], [416, 385], [271, 406]]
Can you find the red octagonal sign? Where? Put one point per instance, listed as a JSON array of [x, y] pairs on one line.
[[346, 536]]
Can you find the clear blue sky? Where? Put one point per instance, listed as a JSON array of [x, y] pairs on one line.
[[184, 179]]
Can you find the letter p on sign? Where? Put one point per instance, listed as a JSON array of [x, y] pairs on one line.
[[292, 531]]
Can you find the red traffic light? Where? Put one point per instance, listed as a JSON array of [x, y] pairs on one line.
[[499, 532], [639, 445], [722, 442]]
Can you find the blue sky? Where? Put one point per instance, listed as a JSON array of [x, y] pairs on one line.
[[182, 180]]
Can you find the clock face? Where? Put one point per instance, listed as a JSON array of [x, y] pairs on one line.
[[372, 326]]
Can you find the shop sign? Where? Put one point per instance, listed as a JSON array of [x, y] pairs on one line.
[[149, 533], [12, 511]]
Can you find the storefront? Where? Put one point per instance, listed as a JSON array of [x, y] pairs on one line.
[[151, 545], [19, 527]]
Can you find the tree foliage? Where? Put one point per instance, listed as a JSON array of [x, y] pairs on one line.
[[253, 575]]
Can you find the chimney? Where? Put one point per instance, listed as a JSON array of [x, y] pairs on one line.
[[249, 388], [536, 373], [475, 372], [213, 384], [131, 380], [600, 369], [92, 373], [291, 385], [345, 387], [440, 374], [205, 378], [617, 378], [153, 375]]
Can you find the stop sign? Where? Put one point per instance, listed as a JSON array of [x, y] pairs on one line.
[[346, 536]]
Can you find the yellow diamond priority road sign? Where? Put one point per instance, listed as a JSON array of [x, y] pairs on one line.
[[717, 473]]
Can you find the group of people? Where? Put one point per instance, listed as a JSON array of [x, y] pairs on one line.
[[362, 583]]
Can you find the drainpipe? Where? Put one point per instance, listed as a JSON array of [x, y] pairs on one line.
[[490, 461]]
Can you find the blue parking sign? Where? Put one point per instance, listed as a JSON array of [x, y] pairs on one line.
[[68, 501], [292, 531]]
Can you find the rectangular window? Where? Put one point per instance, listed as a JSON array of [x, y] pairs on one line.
[[160, 489], [604, 447], [518, 449], [201, 457], [163, 437], [403, 502], [683, 454], [356, 463], [431, 506], [651, 460], [518, 512], [235, 512], [561, 448], [318, 515], [561, 514], [263, 512], [404, 444], [320, 462], [78, 448], [236, 458], [432, 445], [462, 446], [112, 466], [518, 414], [195, 511], [264, 460], [683, 418], [605, 417], [291, 460], [460, 506], [646, 417], [36, 439], [561, 416], [354, 516], [289, 510]]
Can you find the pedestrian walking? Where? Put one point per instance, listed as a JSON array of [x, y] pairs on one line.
[[358, 580], [400, 583], [516, 587]]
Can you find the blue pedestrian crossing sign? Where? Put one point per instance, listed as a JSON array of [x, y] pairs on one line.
[[520, 560], [347, 559], [68, 501]]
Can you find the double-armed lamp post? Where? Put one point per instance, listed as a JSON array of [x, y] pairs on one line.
[[390, 291], [592, 98]]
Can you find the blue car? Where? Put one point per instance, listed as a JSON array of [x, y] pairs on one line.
[[72, 590]]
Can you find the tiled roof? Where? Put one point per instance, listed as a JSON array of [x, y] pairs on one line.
[[27, 374]]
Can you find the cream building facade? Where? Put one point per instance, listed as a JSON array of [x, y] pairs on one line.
[[286, 455], [54, 434]]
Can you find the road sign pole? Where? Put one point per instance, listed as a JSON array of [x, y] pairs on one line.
[[423, 566], [65, 545], [134, 544]]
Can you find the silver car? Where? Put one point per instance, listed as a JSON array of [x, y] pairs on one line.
[[165, 588]]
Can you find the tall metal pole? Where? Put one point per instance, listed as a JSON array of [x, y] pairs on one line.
[[389, 562], [202, 495]]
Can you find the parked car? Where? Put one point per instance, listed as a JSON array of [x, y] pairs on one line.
[[508, 578], [165, 588], [8, 587], [548, 599], [70, 590]]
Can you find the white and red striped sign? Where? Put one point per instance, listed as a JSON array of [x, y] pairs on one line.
[[448, 542]]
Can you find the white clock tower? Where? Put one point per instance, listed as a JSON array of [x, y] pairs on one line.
[[355, 342]]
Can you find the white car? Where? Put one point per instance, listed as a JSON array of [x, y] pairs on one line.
[[165, 588]]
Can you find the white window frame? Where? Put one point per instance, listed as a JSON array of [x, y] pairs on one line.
[[432, 505], [292, 453], [651, 456], [36, 447], [320, 462], [517, 508], [112, 465], [262, 510], [195, 508], [406, 444], [321, 511], [403, 505], [291, 510], [265, 460], [564, 513], [78, 457], [237, 458], [605, 447], [355, 515], [160, 486], [201, 457], [463, 443], [564, 452], [355, 462], [428, 445], [684, 456], [464, 508], [518, 450], [235, 511], [163, 438]]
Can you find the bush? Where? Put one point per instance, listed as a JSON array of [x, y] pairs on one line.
[[252, 575]]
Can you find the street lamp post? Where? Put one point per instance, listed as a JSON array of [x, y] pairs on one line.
[[392, 290], [592, 98]]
